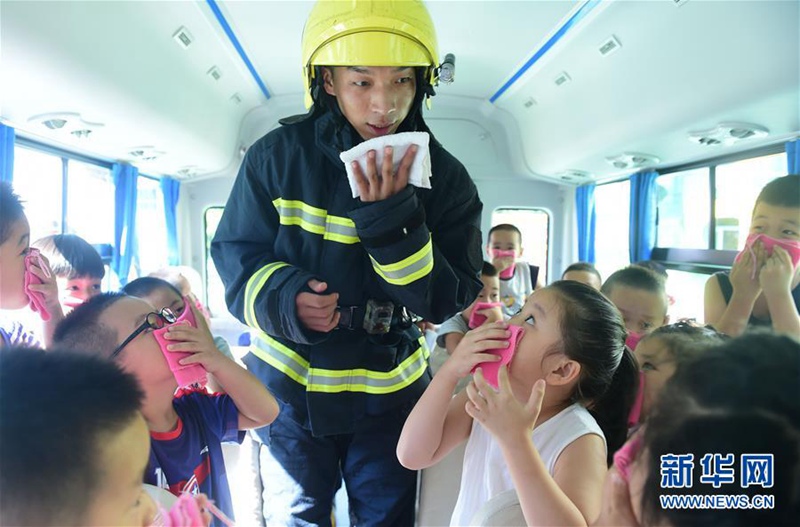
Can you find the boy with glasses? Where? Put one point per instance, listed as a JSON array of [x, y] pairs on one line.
[[187, 427]]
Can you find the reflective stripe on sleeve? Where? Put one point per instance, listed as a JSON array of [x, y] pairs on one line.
[[409, 269]]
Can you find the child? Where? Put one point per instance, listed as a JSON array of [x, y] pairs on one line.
[[516, 281], [161, 294], [585, 273], [640, 296], [74, 443], [547, 445], [761, 289], [736, 399], [661, 352], [78, 267], [14, 239], [186, 428]]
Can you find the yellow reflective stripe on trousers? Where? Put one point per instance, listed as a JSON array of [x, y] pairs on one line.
[[409, 269], [253, 287], [298, 369], [316, 221]]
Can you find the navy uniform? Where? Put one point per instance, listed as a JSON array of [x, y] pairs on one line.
[[345, 394]]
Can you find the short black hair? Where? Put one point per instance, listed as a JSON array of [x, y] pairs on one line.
[[736, 398], [585, 267], [504, 227], [146, 285], [488, 269], [636, 277], [685, 341], [781, 192], [81, 330], [11, 210], [56, 412], [654, 266], [71, 256]]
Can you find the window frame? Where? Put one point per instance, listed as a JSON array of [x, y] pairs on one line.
[[704, 261], [548, 269]]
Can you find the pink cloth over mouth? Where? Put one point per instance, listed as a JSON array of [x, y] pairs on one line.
[[492, 369]]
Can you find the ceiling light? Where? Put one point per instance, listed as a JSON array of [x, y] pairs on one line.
[[562, 79], [214, 73], [629, 160], [183, 37], [728, 133], [609, 46]]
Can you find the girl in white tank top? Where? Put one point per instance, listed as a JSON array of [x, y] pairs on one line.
[[533, 433]]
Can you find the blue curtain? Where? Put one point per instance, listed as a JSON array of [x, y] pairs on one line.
[[642, 227], [587, 218], [6, 153], [125, 183], [171, 189], [793, 156]]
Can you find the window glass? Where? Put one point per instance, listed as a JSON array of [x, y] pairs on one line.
[[38, 181], [738, 185], [684, 202], [151, 231], [612, 206], [90, 202], [686, 293], [215, 290], [534, 224]]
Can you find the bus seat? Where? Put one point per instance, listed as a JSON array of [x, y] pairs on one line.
[[501, 511], [438, 489]]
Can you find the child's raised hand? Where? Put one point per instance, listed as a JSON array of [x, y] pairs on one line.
[[471, 350], [777, 274], [500, 412], [502, 263], [492, 314], [742, 272], [49, 287], [197, 341]]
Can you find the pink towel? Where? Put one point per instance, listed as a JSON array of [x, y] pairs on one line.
[[36, 298], [492, 369], [476, 319]]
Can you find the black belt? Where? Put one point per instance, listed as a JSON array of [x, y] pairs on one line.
[[352, 318]]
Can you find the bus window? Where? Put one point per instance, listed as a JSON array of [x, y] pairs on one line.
[[612, 205], [215, 290], [38, 181], [151, 236], [737, 187], [684, 213], [534, 224], [90, 197]]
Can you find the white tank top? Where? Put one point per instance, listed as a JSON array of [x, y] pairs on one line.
[[485, 472]]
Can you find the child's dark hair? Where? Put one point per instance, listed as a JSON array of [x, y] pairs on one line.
[[685, 341], [781, 192], [654, 266], [71, 256], [146, 285], [488, 269], [11, 210], [638, 278], [82, 331], [736, 398], [57, 411], [505, 227], [585, 267], [593, 334]]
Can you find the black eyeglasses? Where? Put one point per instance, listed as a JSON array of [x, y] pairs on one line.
[[152, 321]]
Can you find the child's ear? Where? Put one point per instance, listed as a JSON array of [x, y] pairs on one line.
[[563, 372]]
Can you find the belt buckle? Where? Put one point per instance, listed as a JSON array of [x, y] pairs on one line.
[[347, 315], [378, 317]]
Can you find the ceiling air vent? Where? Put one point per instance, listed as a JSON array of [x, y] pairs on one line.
[[236, 98], [728, 134], [562, 79], [54, 124], [214, 73], [183, 37], [81, 134], [531, 102], [609, 46], [145, 153], [632, 160]]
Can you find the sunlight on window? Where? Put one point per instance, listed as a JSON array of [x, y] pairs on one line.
[[38, 181], [215, 290], [686, 289], [684, 215], [738, 185], [612, 206], [151, 232], [90, 202], [534, 224]]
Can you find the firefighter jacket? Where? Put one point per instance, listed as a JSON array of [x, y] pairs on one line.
[[291, 217]]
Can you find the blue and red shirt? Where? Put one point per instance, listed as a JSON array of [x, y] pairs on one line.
[[189, 458]]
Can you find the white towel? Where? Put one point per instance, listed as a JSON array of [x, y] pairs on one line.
[[420, 173]]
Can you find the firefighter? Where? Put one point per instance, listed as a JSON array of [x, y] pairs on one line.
[[330, 284]]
